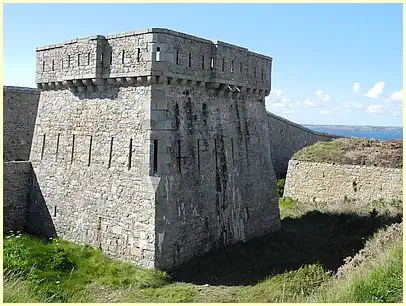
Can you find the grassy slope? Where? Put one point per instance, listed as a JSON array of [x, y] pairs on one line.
[[59, 271], [354, 151]]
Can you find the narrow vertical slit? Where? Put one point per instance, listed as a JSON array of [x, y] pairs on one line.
[[212, 63], [54, 211], [198, 154], [111, 58], [215, 151], [232, 66], [203, 62], [53, 65], [190, 59], [232, 150], [130, 153], [246, 149], [88, 58], [155, 158], [177, 57], [223, 65], [111, 151], [90, 151], [158, 54], [101, 58], [62, 63], [43, 147], [68, 61], [122, 57], [78, 60], [57, 146], [179, 158], [73, 149], [138, 54], [43, 65]]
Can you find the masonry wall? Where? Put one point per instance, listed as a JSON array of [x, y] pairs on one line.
[[19, 112], [286, 138], [91, 161], [324, 182], [17, 179], [216, 178]]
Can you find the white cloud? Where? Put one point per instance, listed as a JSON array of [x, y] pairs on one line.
[[375, 108], [277, 99], [397, 95], [325, 112], [356, 87], [322, 95], [310, 103], [376, 90]]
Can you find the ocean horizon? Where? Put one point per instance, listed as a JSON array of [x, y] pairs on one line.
[[370, 132]]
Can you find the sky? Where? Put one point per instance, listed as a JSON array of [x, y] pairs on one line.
[[332, 63]]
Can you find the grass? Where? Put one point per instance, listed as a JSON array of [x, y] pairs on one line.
[[354, 151], [60, 271], [297, 264], [373, 275]]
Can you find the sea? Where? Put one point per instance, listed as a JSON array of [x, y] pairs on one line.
[[378, 133]]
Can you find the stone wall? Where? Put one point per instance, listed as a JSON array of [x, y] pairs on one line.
[[216, 182], [20, 106], [286, 138], [17, 179], [324, 182], [91, 160]]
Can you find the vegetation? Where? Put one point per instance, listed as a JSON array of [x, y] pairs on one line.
[[300, 263], [354, 151], [373, 275], [280, 186]]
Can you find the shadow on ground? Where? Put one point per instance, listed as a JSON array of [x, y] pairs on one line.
[[312, 238]]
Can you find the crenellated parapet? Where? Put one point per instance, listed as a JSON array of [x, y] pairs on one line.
[[152, 56]]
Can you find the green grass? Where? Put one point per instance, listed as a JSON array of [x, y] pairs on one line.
[[60, 271], [292, 286], [380, 282], [354, 151]]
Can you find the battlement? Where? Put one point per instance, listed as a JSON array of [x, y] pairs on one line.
[[151, 56]]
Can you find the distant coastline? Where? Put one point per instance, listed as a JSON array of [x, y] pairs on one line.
[[371, 132]]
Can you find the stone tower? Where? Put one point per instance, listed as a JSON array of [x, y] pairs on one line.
[[153, 145]]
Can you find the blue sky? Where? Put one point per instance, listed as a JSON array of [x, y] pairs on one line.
[[333, 63]]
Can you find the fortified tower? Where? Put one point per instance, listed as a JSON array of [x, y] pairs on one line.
[[153, 145]]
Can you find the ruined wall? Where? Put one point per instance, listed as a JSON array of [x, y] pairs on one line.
[[324, 182], [286, 138], [91, 161], [17, 179], [217, 184], [19, 112]]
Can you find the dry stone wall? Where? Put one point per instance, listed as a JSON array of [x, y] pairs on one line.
[[324, 182], [19, 113], [286, 138]]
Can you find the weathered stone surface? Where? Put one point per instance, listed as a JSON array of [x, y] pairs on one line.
[[17, 179], [324, 182], [19, 113], [286, 138]]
